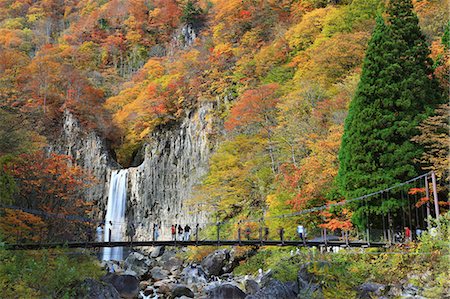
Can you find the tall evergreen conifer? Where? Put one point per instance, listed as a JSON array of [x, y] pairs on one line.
[[396, 91]]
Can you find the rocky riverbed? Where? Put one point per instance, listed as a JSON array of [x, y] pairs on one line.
[[162, 273]]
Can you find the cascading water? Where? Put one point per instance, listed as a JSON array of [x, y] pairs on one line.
[[115, 214]]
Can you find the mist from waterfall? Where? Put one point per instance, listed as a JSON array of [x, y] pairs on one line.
[[115, 214]]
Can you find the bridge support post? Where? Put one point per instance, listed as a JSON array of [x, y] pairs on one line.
[[218, 233], [389, 232], [196, 234], [325, 239], [239, 235], [260, 235], [435, 195], [427, 194], [368, 235]]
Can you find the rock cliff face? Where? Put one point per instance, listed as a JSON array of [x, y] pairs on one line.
[[174, 162], [90, 152]]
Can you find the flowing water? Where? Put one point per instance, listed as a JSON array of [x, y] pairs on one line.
[[115, 214]]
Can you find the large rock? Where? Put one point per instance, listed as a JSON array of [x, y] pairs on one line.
[[181, 290], [274, 289], [226, 291], [93, 289], [126, 285], [166, 256], [236, 257], [163, 287], [157, 251], [370, 289], [193, 275], [214, 262], [173, 264], [158, 274], [251, 287], [139, 264]]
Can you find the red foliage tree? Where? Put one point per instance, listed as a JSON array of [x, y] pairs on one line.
[[254, 107]]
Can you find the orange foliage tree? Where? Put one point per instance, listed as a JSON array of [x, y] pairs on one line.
[[256, 111], [54, 185], [18, 226]]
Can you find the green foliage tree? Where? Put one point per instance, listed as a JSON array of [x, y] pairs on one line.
[[396, 91], [192, 13]]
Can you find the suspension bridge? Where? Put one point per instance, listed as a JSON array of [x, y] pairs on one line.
[[382, 229]]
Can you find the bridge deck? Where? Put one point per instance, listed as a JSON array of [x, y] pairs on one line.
[[298, 243]]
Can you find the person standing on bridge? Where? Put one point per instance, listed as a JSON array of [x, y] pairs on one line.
[[301, 232], [407, 234], [248, 232], [99, 231], [187, 232], [173, 230], [180, 232], [155, 232]]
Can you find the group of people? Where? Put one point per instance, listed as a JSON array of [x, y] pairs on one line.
[[301, 231], [184, 234], [407, 235], [248, 233]]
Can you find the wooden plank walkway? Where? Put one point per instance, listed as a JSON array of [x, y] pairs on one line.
[[298, 243]]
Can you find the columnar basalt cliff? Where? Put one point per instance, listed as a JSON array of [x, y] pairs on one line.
[[91, 152], [174, 162]]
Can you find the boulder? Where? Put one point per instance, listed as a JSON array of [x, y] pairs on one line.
[[93, 289], [235, 257], [370, 289], [157, 251], [274, 289], [163, 287], [168, 254], [157, 274], [139, 264], [251, 287], [126, 285], [181, 290], [214, 262], [193, 274], [293, 286], [265, 278], [226, 291], [173, 264], [143, 284], [410, 290]]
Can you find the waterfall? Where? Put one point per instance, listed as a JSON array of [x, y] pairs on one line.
[[115, 214]]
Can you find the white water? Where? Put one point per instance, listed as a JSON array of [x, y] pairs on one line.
[[115, 213]]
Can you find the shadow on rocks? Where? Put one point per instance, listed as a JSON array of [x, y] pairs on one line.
[[126, 285], [93, 289]]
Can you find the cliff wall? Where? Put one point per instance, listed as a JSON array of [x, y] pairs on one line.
[[174, 161]]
